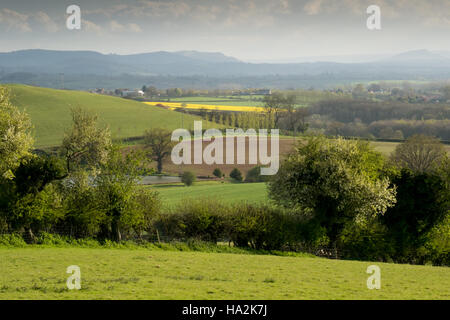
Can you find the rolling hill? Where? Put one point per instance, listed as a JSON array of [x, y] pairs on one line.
[[87, 70], [49, 110]]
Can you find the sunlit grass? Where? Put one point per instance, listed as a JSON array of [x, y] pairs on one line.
[[40, 273]]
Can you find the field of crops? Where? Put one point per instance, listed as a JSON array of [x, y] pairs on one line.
[[209, 107], [40, 273]]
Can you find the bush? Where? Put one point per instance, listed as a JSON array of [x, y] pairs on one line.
[[188, 178], [262, 227], [236, 174], [12, 240], [254, 175], [217, 173], [199, 219]]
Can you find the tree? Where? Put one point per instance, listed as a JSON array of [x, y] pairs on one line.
[[116, 184], [359, 91], [217, 173], [276, 103], [236, 174], [423, 202], [188, 178], [295, 119], [446, 92], [36, 172], [420, 153], [159, 144], [15, 133], [33, 201], [333, 183], [151, 91], [85, 143]]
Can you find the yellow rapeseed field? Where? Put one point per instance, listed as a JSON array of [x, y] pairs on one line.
[[175, 105]]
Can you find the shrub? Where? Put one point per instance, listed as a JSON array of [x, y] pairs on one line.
[[262, 227], [236, 174], [188, 178], [217, 173], [12, 240], [51, 239], [199, 219], [254, 175], [143, 207]]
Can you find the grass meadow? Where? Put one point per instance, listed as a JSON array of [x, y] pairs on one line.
[[172, 194], [49, 110], [40, 273]]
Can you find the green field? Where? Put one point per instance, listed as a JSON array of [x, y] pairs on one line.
[[40, 273], [227, 192], [50, 113]]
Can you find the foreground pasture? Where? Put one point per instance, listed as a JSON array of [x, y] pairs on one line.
[[40, 273]]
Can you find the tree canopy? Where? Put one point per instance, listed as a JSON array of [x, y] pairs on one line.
[[15, 135], [332, 183]]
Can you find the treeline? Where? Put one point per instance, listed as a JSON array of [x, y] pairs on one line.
[[387, 120]]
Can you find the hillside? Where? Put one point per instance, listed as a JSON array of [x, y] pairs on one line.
[[50, 113]]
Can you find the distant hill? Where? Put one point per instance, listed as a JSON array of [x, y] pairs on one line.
[[419, 58], [49, 110], [191, 69]]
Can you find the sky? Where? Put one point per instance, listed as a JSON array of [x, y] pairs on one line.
[[250, 30]]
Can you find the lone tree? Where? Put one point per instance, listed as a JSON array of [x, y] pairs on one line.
[[159, 144], [333, 183], [15, 135], [420, 153], [85, 143]]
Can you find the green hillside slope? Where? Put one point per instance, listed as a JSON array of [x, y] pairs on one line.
[[50, 113]]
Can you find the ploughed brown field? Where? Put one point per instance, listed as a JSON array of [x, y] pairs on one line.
[[205, 170], [285, 146]]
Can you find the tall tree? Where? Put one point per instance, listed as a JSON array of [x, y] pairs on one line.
[[15, 135], [117, 184], [86, 142]]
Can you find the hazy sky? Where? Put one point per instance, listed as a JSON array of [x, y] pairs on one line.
[[246, 29]]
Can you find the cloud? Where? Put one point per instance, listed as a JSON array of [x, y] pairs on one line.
[[91, 27], [313, 7], [131, 27], [43, 19], [14, 21]]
